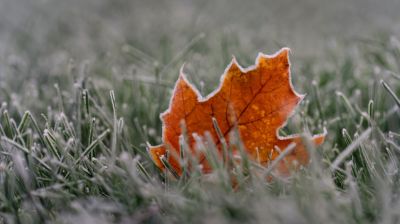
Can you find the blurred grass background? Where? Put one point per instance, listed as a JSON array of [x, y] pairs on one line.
[[82, 84]]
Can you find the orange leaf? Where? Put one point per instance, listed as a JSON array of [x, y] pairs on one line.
[[257, 101]]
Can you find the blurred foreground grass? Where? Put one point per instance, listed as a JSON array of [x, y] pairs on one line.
[[74, 127]]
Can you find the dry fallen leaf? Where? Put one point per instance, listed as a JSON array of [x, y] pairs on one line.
[[257, 101]]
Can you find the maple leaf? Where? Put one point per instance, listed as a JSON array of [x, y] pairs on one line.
[[256, 100]]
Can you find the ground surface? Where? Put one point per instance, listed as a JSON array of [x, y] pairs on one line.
[[82, 84]]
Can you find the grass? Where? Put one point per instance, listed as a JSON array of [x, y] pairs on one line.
[[74, 132]]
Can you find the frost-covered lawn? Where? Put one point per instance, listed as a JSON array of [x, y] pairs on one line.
[[82, 84]]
